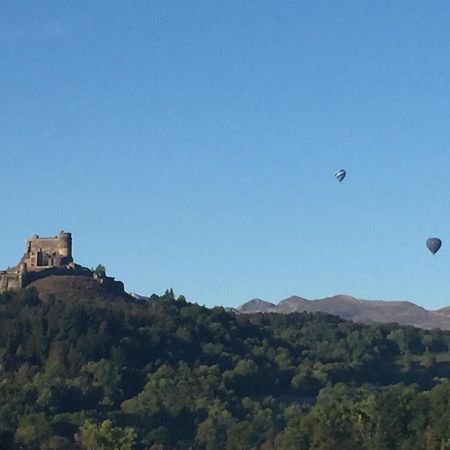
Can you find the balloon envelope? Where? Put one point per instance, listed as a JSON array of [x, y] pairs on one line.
[[340, 174], [434, 244]]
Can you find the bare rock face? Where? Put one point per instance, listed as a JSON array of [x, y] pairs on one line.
[[364, 311]]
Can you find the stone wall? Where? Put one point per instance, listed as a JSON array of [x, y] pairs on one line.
[[9, 280], [48, 251]]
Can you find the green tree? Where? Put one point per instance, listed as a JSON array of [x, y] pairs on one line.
[[104, 436], [33, 430], [212, 432], [100, 271]]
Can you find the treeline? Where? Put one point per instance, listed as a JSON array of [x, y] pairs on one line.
[[167, 374]]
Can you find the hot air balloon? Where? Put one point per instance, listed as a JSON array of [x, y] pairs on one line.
[[340, 175], [434, 244]]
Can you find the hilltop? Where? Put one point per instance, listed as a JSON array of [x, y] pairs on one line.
[[49, 258], [64, 287]]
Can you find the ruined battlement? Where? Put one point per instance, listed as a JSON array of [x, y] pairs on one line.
[[45, 257], [44, 252]]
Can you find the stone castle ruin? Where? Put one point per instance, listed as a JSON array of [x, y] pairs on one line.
[[46, 256], [45, 252]]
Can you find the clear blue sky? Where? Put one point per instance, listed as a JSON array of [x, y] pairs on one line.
[[192, 144]]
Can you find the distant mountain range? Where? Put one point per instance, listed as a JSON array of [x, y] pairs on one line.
[[350, 308]]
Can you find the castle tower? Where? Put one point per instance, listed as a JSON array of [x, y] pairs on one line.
[[65, 246]]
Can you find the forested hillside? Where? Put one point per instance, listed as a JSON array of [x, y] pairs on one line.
[[167, 374]]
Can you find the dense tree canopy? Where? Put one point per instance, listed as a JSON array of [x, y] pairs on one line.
[[168, 374]]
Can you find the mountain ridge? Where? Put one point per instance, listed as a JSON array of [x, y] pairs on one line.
[[365, 311]]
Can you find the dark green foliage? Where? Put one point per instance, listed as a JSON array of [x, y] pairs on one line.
[[167, 374], [100, 271]]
